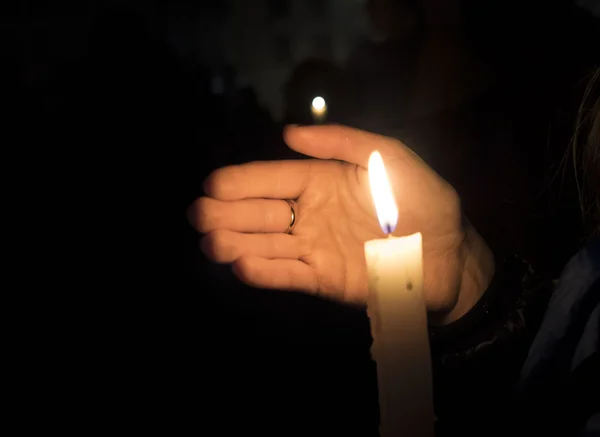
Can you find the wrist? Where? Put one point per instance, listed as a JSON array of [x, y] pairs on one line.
[[477, 273]]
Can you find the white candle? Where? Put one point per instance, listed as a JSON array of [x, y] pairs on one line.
[[398, 318]]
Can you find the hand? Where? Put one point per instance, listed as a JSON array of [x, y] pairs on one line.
[[245, 219]]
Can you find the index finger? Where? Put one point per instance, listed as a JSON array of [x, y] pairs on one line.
[[264, 179]]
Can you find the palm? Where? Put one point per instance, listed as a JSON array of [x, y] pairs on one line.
[[245, 218], [338, 218], [334, 225]]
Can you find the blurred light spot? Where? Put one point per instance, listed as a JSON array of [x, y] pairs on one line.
[[319, 109], [318, 104]]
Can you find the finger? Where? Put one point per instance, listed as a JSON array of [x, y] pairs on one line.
[[250, 215], [344, 143], [281, 274], [268, 179], [225, 246]]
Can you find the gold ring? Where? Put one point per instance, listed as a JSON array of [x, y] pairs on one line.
[[293, 219]]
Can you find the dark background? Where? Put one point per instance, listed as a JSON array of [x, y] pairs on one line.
[[119, 110]]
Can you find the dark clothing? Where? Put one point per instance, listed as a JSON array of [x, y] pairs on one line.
[[561, 371], [525, 329]]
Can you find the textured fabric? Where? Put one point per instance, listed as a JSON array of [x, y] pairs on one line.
[[477, 359], [524, 360], [569, 331], [555, 375]]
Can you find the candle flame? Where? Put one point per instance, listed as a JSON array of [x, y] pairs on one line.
[[383, 197]]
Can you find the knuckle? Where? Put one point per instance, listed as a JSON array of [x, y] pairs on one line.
[[453, 203]]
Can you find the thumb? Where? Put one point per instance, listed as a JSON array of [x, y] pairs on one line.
[[343, 143]]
